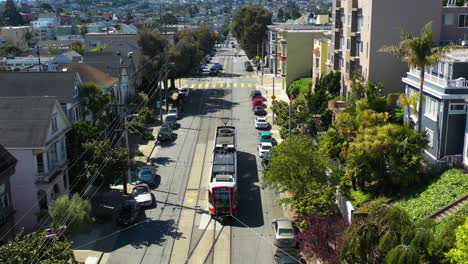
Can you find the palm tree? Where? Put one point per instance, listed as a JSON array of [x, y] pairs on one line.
[[419, 52], [409, 102]]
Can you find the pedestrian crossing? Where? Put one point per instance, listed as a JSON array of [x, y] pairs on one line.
[[220, 85]]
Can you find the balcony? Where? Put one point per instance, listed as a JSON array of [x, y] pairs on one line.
[[51, 175]]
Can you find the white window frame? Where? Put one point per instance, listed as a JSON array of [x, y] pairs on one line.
[[431, 109], [457, 111], [430, 137], [54, 123]]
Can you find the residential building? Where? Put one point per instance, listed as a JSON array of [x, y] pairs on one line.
[[322, 19], [319, 58], [63, 85], [48, 63], [33, 130], [295, 51], [15, 35], [44, 27], [454, 26], [444, 108], [272, 44], [7, 211], [362, 27]]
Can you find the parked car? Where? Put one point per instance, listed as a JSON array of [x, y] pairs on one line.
[[257, 102], [128, 213], [266, 159], [263, 148], [196, 72], [142, 195], [248, 66], [284, 233], [171, 121], [259, 110], [207, 58], [184, 91], [165, 133], [146, 175], [255, 94], [261, 122], [218, 65], [265, 136], [173, 112], [214, 71], [288, 256]]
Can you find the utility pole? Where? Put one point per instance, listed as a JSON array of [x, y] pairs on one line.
[[289, 120], [126, 175], [274, 78], [39, 57], [261, 64]]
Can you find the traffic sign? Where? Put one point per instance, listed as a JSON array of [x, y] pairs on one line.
[[273, 102], [257, 58], [273, 97]]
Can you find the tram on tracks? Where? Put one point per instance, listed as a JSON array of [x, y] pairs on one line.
[[222, 191]]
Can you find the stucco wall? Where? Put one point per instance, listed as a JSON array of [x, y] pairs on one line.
[[388, 18], [300, 46], [23, 190]]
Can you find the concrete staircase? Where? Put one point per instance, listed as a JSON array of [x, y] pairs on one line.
[[450, 208]]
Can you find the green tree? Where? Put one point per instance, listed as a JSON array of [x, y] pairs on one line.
[[445, 240], [83, 29], [46, 6], [74, 212], [459, 253], [280, 14], [78, 47], [312, 189], [300, 87], [169, 19], [10, 50], [293, 10], [103, 163], [152, 45], [387, 157], [95, 101], [409, 102], [11, 16], [28, 36], [29, 248], [118, 27], [249, 26], [53, 50], [385, 234], [419, 52]]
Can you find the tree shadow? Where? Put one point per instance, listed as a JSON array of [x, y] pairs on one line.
[[205, 101], [250, 201], [147, 232], [156, 161]]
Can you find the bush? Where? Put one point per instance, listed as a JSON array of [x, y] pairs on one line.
[[146, 115], [148, 136], [450, 186], [360, 197], [300, 87], [138, 153]]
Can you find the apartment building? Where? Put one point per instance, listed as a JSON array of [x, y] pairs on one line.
[[33, 131], [361, 28], [15, 36], [7, 210], [319, 58], [444, 113]]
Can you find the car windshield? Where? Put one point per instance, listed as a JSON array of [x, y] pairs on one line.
[[184, 90], [164, 130], [261, 120], [266, 147], [170, 118], [266, 136], [258, 108], [145, 174], [172, 111], [139, 190], [285, 232]]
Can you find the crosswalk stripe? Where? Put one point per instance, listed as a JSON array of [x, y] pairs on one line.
[[200, 85], [228, 85], [207, 85], [221, 85], [242, 84], [249, 85], [213, 85], [192, 86], [235, 85]]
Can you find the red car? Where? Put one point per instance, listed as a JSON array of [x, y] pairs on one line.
[[257, 102]]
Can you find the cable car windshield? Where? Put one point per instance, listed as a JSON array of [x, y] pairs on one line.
[[222, 198]]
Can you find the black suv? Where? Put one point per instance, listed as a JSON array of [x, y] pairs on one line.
[[248, 66]]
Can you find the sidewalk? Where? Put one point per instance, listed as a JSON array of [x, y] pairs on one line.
[[280, 95]]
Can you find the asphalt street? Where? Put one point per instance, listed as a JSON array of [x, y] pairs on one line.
[[178, 229]]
